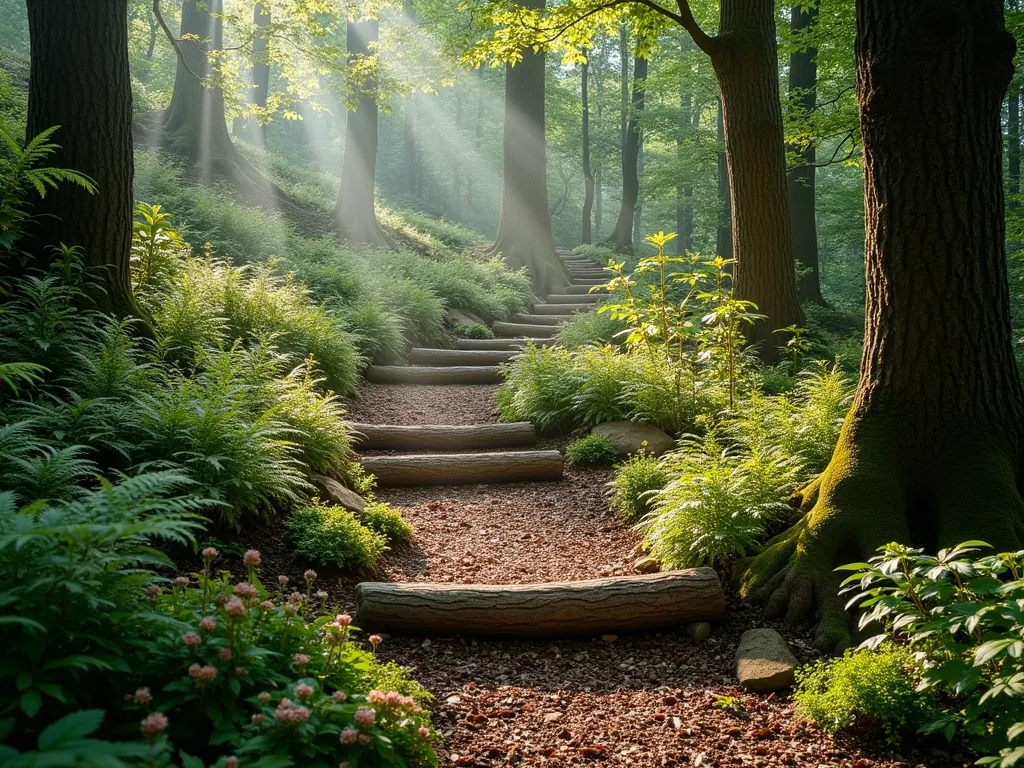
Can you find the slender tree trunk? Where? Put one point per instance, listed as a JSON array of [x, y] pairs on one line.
[[588, 176], [746, 64], [1013, 146], [803, 82], [598, 190], [77, 44], [931, 451], [684, 190], [723, 237], [154, 29], [456, 203], [623, 86], [409, 146], [250, 128], [638, 213], [524, 224], [354, 216], [622, 234]]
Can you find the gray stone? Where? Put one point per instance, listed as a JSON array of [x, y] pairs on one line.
[[629, 437], [335, 493], [698, 631], [464, 317], [764, 662], [647, 564]]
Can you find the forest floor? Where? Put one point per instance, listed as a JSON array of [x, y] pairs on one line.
[[643, 700]]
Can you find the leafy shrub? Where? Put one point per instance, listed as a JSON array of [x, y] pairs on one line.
[[474, 331], [636, 480], [959, 614], [876, 688], [600, 254], [387, 521], [330, 535], [586, 328], [591, 451]]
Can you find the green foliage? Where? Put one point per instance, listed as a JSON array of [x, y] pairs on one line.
[[636, 480], [474, 331], [588, 328], [959, 614], [330, 535], [591, 451], [387, 521], [874, 688]]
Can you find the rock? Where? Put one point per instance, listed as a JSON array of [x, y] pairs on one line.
[[764, 662], [629, 437], [550, 717], [698, 631], [464, 317], [647, 565], [334, 492], [609, 638]]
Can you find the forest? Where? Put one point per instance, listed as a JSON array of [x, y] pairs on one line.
[[511, 383]]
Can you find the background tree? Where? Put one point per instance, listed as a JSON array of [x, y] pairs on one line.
[[586, 235], [622, 234]]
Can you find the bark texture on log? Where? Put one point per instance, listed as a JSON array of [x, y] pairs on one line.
[[540, 319], [463, 468], [557, 609], [431, 437], [559, 309], [456, 374], [525, 329], [576, 295], [420, 356], [510, 344]]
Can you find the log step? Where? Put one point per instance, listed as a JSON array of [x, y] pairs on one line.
[[560, 309], [525, 330], [462, 468], [422, 356], [556, 609], [415, 374], [512, 345], [577, 289], [439, 437], [575, 298], [541, 319], [588, 282]]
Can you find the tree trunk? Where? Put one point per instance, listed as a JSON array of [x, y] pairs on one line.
[[354, 216], [586, 235], [746, 64], [1013, 147], [638, 212], [803, 81], [723, 237], [456, 202], [622, 234], [154, 29], [930, 453], [524, 236], [76, 45], [684, 190], [252, 130]]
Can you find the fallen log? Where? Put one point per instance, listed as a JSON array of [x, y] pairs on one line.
[[439, 437], [423, 356], [514, 345], [575, 297], [413, 374], [560, 309], [597, 606], [462, 468], [525, 329], [540, 319]]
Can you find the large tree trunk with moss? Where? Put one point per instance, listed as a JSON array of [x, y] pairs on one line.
[[524, 236], [77, 44], [622, 235], [930, 453], [745, 60], [587, 233], [354, 216], [803, 82]]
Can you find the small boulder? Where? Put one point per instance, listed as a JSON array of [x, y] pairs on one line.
[[647, 564], [335, 493], [464, 317], [698, 631], [629, 437], [764, 662]]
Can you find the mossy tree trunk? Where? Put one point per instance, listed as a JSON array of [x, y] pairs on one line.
[[354, 215], [77, 44], [524, 236], [931, 450]]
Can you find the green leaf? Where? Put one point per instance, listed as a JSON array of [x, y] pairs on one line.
[[77, 725], [31, 701]]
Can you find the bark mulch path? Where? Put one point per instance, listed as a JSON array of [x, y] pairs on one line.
[[645, 700]]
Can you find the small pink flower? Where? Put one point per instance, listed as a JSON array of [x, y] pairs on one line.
[[153, 725], [423, 731], [191, 639], [366, 717], [393, 699], [221, 598], [282, 580], [290, 714], [320, 595], [340, 697], [407, 701], [193, 670], [364, 738], [300, 659], [202, 674], [303, 691], [258, 718], [349, 735], [342, 619], [207, 624], [309, 575], [230, 762], [239, 671], [245, 590], [375, 697], [235, 608], [152, 593], [224, 654], [210, 553], [182, 581], [290, 609], [375, 640], [296, 597], [267, 605], [143, 697], [264, 697], [251, 557]]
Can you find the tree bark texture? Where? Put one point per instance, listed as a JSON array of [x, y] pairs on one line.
[[930, 453], [745, 60], [622, 234], [684, 189], [439, 437], [79, 80], [252, 129], [355, 216], [555, 609], [723, 234], [803, 82], [461, 468], [524, 236], [586, 234], [1013, 146]]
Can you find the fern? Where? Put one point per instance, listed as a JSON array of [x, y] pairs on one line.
[[24, 374]]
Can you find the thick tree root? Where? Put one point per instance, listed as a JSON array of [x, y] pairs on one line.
[[874, 492]]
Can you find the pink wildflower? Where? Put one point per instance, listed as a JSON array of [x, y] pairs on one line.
[[264, 697], [290, 714], [251, 557], [300, 659], [191, 639], [207, 624], [258, 718], [364, 738], [340, 697], [320, 595], [342, 619], [210, 553], [282, 580], [230, 762], [152, 593], [296, 597], [153, 725], [290, 609], [366, 716], [423, 731], [202, 674], [235, 608], [224, 654], [393, 699], [303, 691], [309, 575], [182, 581], [375, 640], [143, 697], [245, 590], [375, 697], [239, 671], [349, 735], [221, 598]]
